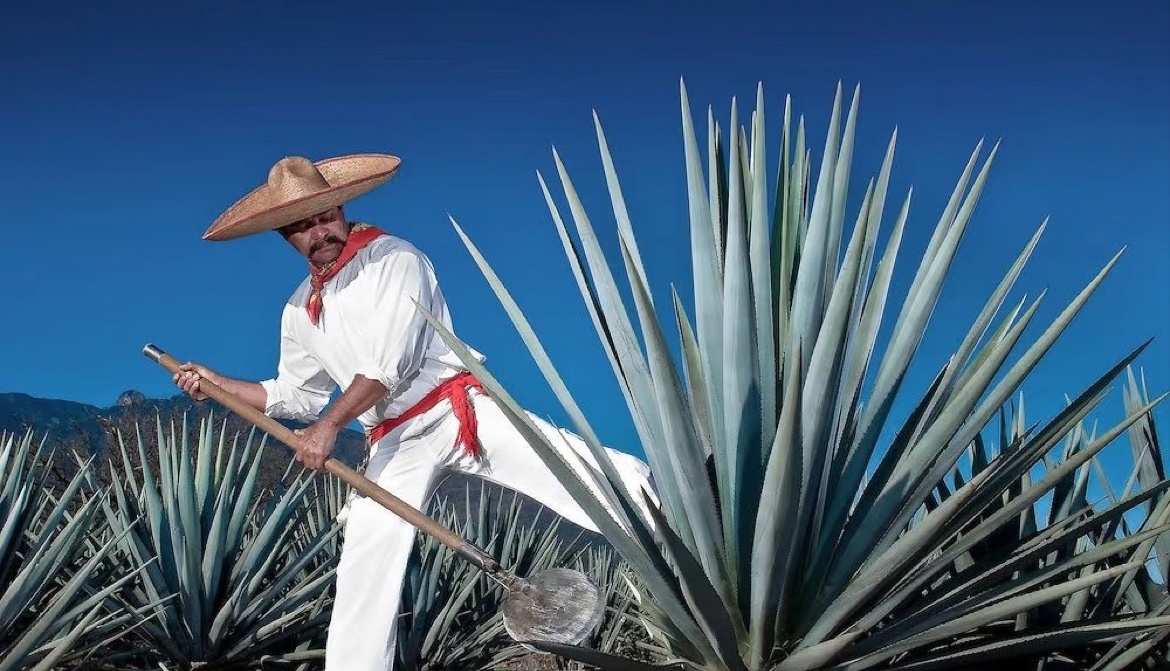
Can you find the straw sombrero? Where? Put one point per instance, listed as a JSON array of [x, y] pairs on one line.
[[298, 188]]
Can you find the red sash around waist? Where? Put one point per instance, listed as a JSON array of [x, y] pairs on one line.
[[454, 389]]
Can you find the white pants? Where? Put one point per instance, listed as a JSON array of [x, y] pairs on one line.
[[407, 462]]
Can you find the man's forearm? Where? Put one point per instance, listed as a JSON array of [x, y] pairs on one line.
[[251, 393], [361, 395]]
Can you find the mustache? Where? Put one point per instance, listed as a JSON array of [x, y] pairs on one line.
[[329, 239]]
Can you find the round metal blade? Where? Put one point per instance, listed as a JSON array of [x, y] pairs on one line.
[[557, 605]]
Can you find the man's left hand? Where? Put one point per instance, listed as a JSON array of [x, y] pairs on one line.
[[317, 441]]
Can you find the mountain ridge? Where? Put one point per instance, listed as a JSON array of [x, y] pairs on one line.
[[74, 422]]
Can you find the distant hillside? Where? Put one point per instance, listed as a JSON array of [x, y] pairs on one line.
[[91, 430], [64, 421]]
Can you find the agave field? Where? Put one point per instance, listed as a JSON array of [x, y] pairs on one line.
[[802, 522], [191, 567]]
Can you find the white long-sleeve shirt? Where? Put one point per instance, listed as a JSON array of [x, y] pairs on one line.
[[369, 326]]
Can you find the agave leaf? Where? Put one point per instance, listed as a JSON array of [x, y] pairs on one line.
[[202, 475], [864, 321], [62, 598], [963, 355], [1075, 497], [885, 508], [773, 553], [988, 572], [980, 532], [859, 455], [1063, 637], [1062, 424], [1143, 437], [980, 416], [58, 512], [97, 600], [708, 605], [923, 293], [210, 602], [247, 489], [64, 645], [647, 427], [795, 214], [700, 402], [759, 252], [619, 328], [152, 500], [958, 625], [1128, 651], [873, 225], [707, 265], [741, 391], [745, 167], [699, 500], [808, 292], [895, 561], [451, 619], [969, 599], [717, 185], [780, 246], [40, 559], [843, 168], [272, 534], [820, 388], [621, 214], [43, 567], [1148, 466], [212, 565], [1159, 517], [290, 582]]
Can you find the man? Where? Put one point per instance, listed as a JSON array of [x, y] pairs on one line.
[[353, 325]]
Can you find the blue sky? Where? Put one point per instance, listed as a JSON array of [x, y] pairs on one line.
[[128, 128]]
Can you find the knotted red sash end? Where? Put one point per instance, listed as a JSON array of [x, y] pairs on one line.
[[454, 389]]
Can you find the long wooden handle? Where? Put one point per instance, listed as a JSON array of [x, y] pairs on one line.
[[420, 520]]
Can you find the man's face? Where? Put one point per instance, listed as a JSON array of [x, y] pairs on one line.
[[320, 237]]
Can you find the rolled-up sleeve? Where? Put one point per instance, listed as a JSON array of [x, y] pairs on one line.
[[398, 333], [301, 389]]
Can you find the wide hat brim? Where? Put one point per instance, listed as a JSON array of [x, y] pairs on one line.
[[348, 177]]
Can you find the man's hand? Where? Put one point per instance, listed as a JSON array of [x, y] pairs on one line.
[[189, 379], [317, 441]]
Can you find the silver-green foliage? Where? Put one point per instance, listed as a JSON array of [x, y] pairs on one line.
[[53, 602], [177, 560], [819, 539], [231, 574]]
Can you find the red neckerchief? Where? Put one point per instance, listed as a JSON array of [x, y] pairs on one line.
[[360, 235]]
